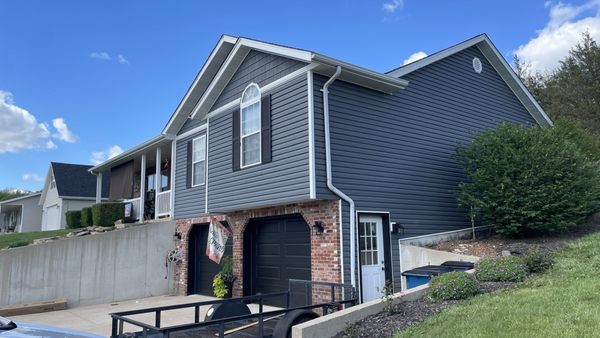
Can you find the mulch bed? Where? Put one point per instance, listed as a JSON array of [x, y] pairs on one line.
[[414, 312], [406, 315]]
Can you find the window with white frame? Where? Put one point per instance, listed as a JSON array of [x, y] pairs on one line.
[[198, 160], [250, 135]]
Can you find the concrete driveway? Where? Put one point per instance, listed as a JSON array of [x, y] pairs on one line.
[[95, 318]]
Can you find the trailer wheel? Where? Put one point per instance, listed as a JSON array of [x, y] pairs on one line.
[[283, 329]]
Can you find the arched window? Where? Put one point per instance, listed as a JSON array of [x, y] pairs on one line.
[[250, 133]]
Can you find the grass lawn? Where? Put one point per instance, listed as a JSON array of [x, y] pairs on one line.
[[564, 302], [21, 239]]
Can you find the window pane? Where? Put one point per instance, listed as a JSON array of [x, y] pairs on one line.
[[251, 149], [199, 149], [250, 93], [199, 173], [250, 119]]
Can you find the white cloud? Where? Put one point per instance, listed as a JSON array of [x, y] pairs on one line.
[[122, 60], [98, 157], [19, 129], [100, 56], [63, 132], [30, 177], [391, 7], [566, 24], [414, 57]]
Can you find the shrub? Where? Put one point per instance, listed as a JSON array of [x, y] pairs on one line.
[[73, 219], [105, 214], [501, 269], [86, 217], [531, 180], [453, 286], [19, 243], [538, 260]]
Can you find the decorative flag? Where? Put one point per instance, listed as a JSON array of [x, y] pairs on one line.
[[217, 238]]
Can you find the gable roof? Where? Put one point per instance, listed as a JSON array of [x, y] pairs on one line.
[[487, 48], [74, 180], [231, 51]]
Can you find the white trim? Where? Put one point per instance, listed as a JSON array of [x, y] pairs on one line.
[[142, 214], [475, 41], [244, 105], [194, 162], [20, 198], [445, 233], [224, 39], [157, 180], [206, 170], [191, 132], [172, 178], [311, 136], [79, 198], [288, 52], [268, 87]]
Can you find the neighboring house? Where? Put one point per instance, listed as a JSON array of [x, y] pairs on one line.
[[321, 168], [21, 214], [67, 187]]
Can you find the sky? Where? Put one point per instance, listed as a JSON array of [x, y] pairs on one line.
[[81, 81]]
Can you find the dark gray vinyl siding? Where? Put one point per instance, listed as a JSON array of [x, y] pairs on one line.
[[191, 124], [260, 68], [188, 202], [396, 152], [283, 180]]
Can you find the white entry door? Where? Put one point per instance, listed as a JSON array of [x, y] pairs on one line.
[[52, 218], [370, 237]]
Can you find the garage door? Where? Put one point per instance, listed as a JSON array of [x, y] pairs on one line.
[[202, 270], [279, 251]]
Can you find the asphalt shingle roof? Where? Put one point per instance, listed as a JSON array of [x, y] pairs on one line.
[[75, 180]]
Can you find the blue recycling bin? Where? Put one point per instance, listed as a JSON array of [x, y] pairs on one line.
[[422, 275]]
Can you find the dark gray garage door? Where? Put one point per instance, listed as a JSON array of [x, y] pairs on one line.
[[202, 270], [279, 250]]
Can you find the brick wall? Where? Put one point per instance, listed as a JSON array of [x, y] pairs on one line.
[[325, 247]]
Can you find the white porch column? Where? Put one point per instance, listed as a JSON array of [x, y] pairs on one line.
[[142, 187], [157, 181], [98, 187], [172, 177]]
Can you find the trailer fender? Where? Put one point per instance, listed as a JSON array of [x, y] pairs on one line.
[[283, 329], [226, 310]]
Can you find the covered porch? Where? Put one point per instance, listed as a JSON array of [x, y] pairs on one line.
[[142, 176]]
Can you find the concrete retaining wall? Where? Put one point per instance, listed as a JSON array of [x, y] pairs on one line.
[[112, 266]]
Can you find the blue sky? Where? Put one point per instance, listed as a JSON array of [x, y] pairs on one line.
[[80, 80]]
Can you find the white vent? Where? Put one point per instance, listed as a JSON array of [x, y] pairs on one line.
[[477, 66]]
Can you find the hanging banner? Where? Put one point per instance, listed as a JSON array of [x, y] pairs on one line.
[[217, 239]]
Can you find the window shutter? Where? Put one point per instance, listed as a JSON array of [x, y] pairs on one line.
[[188, 166], [235, 145], [265, 120]]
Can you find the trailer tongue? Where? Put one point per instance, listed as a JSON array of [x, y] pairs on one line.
[[233, 318]]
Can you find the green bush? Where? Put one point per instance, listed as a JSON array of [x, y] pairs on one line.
[[19, 243], [73, 219], [538, 260], [86, 217], [105, 214], [527, 181], [501, 269], [453, 286]]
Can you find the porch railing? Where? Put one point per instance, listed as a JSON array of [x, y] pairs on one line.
[[136, 211], [163, 203]]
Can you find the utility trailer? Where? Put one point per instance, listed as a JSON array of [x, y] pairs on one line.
[[232, 317]]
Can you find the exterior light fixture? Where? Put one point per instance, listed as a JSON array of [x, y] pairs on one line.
[[318, 228], [176, 236], [397, 228]]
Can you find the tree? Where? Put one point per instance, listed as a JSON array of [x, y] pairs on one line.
[[9, 193], [531, 180], [573, 89]]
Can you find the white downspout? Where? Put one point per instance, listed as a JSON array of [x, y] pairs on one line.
[[330, 185]]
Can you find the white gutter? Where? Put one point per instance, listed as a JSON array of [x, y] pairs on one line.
[[330, 185]]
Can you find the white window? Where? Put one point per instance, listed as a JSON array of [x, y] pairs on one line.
[[250, 136], [198, 160]]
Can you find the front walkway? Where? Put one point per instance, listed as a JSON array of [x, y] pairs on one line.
[[95, 318]]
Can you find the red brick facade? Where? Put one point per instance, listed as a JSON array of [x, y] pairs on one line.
[[325, 247]]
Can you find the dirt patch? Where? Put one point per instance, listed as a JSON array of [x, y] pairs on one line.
[[407, 314], [494, 245]]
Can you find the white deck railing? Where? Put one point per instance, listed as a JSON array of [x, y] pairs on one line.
[[163, 203]]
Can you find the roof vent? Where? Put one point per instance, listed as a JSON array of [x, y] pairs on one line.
[[477, 66]]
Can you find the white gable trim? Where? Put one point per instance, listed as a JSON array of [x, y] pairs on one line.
[[490, 51]]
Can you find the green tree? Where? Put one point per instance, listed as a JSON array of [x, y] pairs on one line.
[[10, 193], [573, 89], [528, 181]]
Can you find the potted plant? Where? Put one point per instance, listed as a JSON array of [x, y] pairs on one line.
[[223, 281]]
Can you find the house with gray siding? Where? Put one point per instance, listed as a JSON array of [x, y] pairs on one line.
[[21, 214], [323, 169]]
